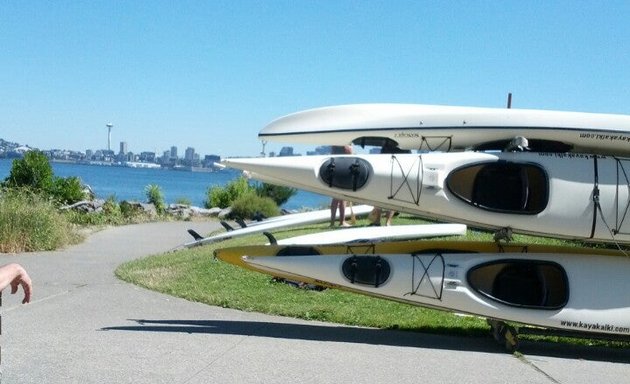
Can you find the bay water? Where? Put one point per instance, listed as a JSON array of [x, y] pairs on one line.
[[126, 183]]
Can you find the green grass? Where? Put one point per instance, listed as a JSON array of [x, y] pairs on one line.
[[30, 222], [195, 275]]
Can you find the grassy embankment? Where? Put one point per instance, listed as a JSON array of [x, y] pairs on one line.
[[195, 275], [29, 222]]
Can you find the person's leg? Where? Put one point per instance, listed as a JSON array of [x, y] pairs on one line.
[[390, 215], [375, 216], [342, 214], [333, 211]]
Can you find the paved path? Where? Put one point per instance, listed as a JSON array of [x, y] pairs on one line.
[[85, 326]]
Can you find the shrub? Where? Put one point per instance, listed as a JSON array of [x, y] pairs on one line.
[[29, 222], [33, 171], [155, 197], [250, 204], [110, 215], [223, 197], [129, 210], [277, 193], [67, 190], [183, 201], [111, 206]]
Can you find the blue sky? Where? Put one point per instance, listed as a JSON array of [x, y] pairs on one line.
[[211, 74]]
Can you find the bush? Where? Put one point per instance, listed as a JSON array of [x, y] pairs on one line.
[[277, 193], [33, 172], [223, 197], [250, 204], [111, 206], [67, 190], [112, 213], [29, 222], [183, 201], [129, 210], [155, 197]]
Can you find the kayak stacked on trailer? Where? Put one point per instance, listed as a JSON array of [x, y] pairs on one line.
[[449, 128], [552, 287], [572, 196], [555, 174]]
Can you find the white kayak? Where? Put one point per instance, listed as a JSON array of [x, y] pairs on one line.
[[553, 287], [371, 234], [278, 222], [449, 128], [561, 195]]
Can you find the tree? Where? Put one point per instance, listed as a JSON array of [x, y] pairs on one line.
[[33, 171], [224, 196], [67, 190], [277, 193]]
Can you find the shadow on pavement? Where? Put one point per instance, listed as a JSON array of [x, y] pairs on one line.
[[371, 336]]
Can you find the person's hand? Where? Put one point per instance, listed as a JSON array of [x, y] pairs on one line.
[[24, 280]]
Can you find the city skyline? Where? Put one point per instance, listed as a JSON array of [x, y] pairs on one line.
[[172, 152], [108, 146], [168, 157]]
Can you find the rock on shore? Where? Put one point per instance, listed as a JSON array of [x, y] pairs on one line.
[[182, 211]]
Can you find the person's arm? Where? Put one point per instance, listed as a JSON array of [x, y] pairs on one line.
[[15, 275]]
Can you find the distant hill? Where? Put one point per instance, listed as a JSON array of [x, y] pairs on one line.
[[4, 143], [11, 149]]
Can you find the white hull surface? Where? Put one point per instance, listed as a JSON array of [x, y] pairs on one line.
[[365, 234], [447, 128], [279, 222], [570, 288], [573, 292], [562, 195]]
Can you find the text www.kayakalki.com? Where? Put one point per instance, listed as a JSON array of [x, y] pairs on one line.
[[595, 327]]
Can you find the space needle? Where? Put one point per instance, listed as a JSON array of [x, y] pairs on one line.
[[109, 136]]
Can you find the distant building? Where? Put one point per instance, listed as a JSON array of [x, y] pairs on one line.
[[209, 160], [173, 152], [164, 159], [286, 151], [124, 154], [107, 155], [147, 157], [191, 158], [64, 154], [189, 154], [23, 149], [323, 150]]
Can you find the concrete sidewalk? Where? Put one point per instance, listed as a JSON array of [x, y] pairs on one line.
[[85, 326]]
